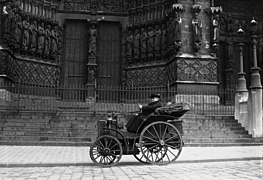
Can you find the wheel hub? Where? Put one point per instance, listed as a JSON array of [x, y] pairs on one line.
[[105, 152], [161, 142]]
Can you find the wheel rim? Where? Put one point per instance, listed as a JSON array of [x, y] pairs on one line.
[[141, 158], [161, 143], [106, 151]]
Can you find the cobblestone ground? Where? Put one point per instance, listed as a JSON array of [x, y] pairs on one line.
[[224, 170]]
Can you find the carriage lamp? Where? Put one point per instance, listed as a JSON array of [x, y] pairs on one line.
[[109, 117], [253, 24], [109, 120]]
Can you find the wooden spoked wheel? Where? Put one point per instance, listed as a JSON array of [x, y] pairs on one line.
[[141, 158], [160, 143], [106, 151]]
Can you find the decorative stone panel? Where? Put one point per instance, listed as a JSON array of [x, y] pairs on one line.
[[198, 70], [147, 76], [94, 6], [34, 72], [171, 71]]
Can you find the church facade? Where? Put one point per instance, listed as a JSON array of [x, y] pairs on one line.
[[183, 43]]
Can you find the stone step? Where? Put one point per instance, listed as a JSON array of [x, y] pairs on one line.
[[208, 128], [209, 120], [217, 135], [217, 140], [87, 118], [187, 123], [48, 133], [46, 125], [79, 127], [45, 138], [212, 127], [28, 129], [45, 143]]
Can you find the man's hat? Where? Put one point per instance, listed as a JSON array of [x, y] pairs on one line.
[[155, 95]]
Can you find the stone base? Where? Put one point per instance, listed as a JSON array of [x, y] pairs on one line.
[[197, 99], [201, 97], [5, 96], [207, 88]]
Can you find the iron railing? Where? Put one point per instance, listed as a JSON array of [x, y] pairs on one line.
[[111, 98]]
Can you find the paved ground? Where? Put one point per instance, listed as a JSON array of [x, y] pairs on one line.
[[62, 156], [62, 163]]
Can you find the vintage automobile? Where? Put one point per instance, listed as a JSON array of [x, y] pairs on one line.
[[157, 141]]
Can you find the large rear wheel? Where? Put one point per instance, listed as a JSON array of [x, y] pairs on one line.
[[140, 157], [160, 143], [106, 151]]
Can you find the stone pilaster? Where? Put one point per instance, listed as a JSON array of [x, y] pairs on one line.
[[3, 62], [92, 60], [241, 97], [255, 91]]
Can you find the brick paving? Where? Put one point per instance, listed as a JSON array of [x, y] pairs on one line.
[[73, 163], [229, 170], [72, 155]]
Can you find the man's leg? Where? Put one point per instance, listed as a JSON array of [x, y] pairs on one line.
[[133, 124]]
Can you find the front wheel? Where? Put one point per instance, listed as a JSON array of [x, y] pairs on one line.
[[106, 151], [160, 143]]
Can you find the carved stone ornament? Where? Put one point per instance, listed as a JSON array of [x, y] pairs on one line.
[[178, 7], [110, 6], [216, 10], [92, 71], [196, 8], [197, 27], [196, 70]]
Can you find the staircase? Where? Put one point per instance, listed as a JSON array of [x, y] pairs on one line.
[[215, 131], [80, 128], [44, 128]]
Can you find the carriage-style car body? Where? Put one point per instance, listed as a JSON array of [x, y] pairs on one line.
[[157, 141]]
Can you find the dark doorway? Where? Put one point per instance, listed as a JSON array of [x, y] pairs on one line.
[[108, 53], [76, 53], [76, 56]]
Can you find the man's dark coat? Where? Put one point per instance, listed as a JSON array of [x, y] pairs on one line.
[[134, 123]]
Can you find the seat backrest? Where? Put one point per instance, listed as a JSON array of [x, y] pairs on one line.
[[154, 118], [174, 109]]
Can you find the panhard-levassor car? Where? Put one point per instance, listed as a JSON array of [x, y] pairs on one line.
[[158, 139]]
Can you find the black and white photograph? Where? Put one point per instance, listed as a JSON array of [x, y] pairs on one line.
[[131, 89]]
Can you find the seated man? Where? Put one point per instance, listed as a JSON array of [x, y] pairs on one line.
[[134, 123]]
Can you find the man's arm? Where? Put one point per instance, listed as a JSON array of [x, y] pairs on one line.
[[151, 107]]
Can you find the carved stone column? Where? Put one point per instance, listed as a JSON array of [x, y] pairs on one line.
[[229, 71], [92, 58], [33, 7], [92, 62], [46, 10], [1, 20], [40, 5], [178, 9], [216, 11], [2, 50], [53, 11], [197, 26]]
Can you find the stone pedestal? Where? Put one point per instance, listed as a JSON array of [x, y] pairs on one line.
[[255, 103], [255, 125], [241, 108], [196, 73]]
